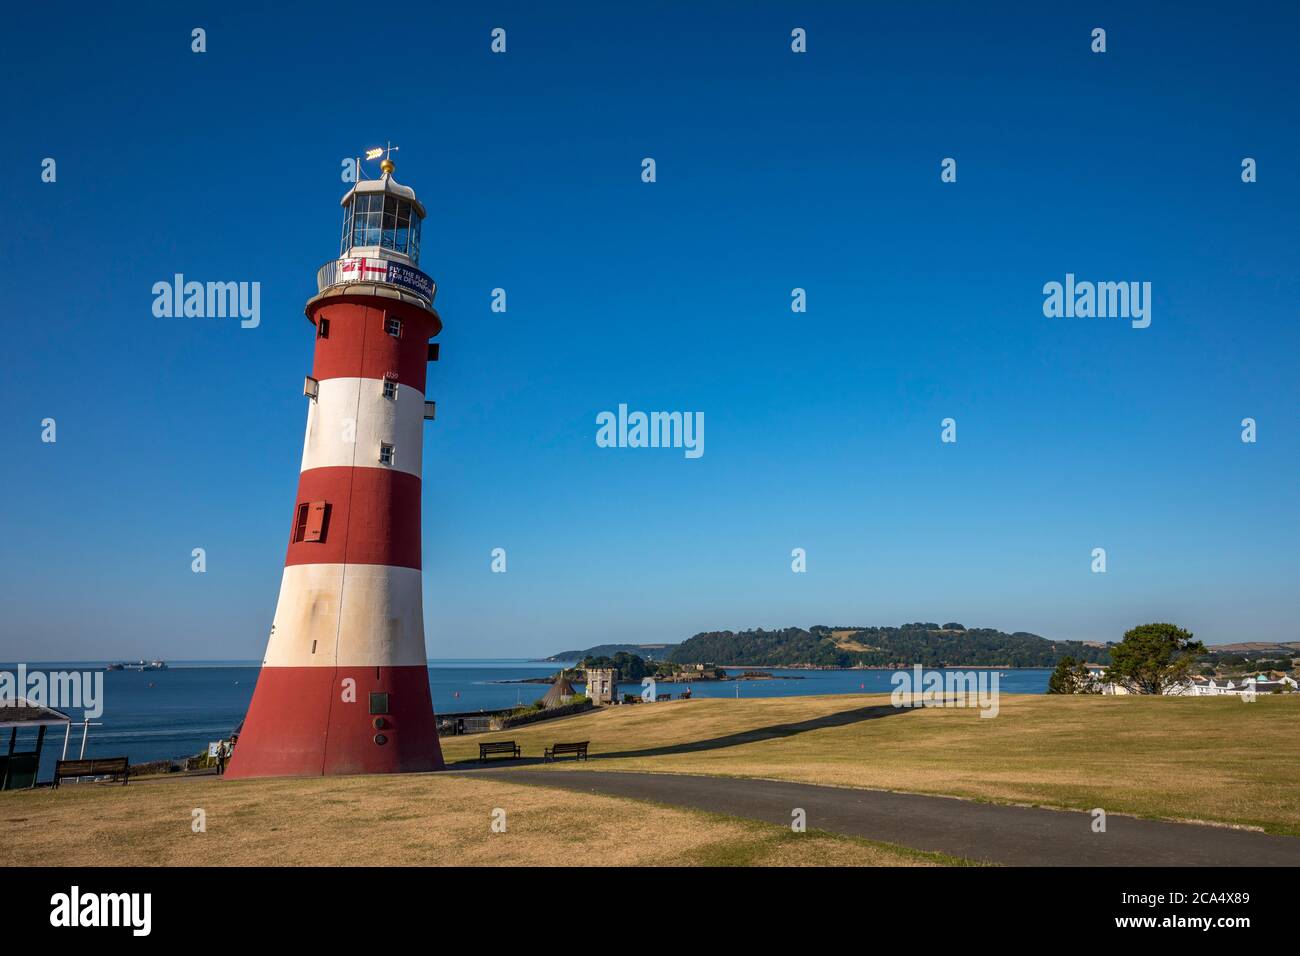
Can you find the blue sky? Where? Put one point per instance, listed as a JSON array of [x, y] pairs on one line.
[[775, 171]]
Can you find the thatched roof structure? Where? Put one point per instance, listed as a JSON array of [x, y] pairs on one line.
[[560, 690], [20, 712]]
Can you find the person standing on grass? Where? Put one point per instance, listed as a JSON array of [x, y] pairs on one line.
[[221, 757]]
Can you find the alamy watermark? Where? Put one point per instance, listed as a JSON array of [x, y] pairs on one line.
[[920, 687], [209, 300], [59, 690], [129, 910], [1100, 300], [654, 430]]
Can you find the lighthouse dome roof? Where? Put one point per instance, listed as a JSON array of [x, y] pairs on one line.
[[387, 185]]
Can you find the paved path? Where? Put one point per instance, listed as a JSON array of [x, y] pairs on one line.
[[1016, 836]]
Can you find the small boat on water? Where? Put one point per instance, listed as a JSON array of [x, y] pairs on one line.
[[141, 665]]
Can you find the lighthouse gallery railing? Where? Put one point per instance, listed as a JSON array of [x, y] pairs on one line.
[[384, 271]]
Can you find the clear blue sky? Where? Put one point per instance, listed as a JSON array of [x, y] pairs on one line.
[[775, 170]]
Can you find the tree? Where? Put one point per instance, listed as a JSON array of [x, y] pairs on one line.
[[1152, 658], [1071, 677], [630, 666]]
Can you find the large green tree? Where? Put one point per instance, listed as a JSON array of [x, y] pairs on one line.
[[1152, 658]]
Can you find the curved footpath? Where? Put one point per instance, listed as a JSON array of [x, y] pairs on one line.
[[992, 833]]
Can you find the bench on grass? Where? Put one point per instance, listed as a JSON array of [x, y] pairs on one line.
[[578, 750], [507, 748], [97, 767]]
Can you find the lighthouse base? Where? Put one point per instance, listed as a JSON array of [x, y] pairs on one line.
[[313, 721]]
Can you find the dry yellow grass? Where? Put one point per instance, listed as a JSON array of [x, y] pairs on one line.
[[1210, 759], [424, 820], [1206, 759]]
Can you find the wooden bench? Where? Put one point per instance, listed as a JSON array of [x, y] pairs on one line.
[[579, 751], [98, 767], [505, 747]]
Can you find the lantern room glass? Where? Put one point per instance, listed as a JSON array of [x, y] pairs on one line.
[[378, 219]]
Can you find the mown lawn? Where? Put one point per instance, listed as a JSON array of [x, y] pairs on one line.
[[412, 820], [1216, 760], [1208, 759]]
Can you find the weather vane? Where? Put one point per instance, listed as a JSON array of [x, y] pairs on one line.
[[387, 152]]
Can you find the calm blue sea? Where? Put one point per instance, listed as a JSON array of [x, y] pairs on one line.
[[156, 715]]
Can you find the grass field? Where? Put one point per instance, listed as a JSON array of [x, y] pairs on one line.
[[425, 820], [1208, 759]]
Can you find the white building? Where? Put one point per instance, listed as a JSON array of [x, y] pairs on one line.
[[1201, 687], [1206, 687]]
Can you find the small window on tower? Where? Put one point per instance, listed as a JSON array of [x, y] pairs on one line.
[[390, 390], [378, 703], [386, 453], [393, 327], [300, 522], [322, 328]]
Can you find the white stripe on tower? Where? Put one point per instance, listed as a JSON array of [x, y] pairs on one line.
[[378, 608], [350, 418]]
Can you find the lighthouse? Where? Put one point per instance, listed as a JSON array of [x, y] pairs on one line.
[[344, 686]]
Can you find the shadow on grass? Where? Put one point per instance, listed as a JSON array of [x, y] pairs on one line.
[[757, 734], [754, 735]]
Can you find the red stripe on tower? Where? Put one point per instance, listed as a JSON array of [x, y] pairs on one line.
[[344, 686]]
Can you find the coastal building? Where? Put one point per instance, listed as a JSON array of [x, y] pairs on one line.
[[344, 686], [602, 684], [1199, 686], [690, 672], [561, 693], [1209, 687]]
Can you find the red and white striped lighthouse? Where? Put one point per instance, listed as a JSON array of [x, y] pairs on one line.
[[344, 686]]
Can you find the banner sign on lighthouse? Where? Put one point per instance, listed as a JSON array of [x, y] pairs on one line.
[[387, 271]]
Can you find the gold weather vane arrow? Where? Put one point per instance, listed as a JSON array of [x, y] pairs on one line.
[[387, 165]]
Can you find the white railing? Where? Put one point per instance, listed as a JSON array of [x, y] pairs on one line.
[[383, 271]]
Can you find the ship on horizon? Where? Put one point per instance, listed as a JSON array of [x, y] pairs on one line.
[[140, 665]]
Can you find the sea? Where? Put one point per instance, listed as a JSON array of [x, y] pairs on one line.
[[174, 713]]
